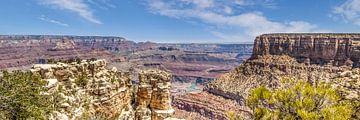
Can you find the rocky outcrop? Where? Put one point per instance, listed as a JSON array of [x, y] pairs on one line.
[[320, 49], [88, 90], [268, 70], [64, 45], [310, 57], [153, 96], [348, 83]]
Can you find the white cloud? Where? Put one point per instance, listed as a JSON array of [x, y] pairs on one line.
[[46, 19], [263, 3], [103, 4], [246, 23], [200, 3], [228, 10], [77, 6], [349, 11]]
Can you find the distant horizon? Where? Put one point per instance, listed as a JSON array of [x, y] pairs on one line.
[[176, 42], [127, 39], [178, 21]]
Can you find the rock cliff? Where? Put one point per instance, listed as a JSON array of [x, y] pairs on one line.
[[87, 90], [153, 96], [311, 57], [320, 49]]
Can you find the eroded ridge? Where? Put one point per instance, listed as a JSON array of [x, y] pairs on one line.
[[335, 49], [88, 90]]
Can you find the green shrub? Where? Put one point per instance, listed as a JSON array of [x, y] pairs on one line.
[[298, 100], [21, 98], [81, 79]]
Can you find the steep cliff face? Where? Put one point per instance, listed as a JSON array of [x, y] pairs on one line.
[[321, 49], [88, 90], [24, 50], [153, 96], [311, 57], [18, 51]]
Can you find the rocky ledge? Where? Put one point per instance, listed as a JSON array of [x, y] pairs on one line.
[[87, 89], [307, 56], [318, 48], [332, 58]]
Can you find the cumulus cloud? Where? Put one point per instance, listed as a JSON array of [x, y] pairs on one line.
[[349, 11], [46, 19], [250, 23], [77, 6]]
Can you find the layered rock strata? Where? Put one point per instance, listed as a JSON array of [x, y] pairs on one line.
[[153, 96], [302, 56], [88, 90], [188, 63], [17, 51], [312, 57], [320, 49]]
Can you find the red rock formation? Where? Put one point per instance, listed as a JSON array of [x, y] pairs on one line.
[[311, 57], [333, 49], [16, 51]]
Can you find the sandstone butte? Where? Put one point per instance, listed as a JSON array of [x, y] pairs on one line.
[[106, 92], [329, 57]]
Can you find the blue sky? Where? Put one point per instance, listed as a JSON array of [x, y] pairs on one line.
[[200, 21]]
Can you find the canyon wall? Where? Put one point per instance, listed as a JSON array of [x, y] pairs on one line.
[[187, 62], [24, 50], [331, 58], [88, 90], [20, 51], [321, 49], [313, 57]]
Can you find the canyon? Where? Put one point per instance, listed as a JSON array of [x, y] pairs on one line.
[[314, 57], [303, 56], [192, 65], [332, 58]]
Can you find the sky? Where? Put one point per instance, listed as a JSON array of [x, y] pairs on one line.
[[178, 21]]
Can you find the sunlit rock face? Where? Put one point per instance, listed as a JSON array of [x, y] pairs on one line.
[[332, 49], [88, 90], [311, 57], [318, 57], [153, 94]]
